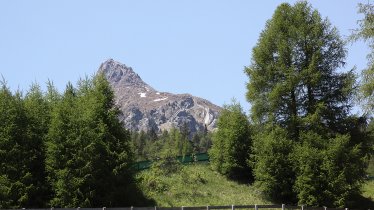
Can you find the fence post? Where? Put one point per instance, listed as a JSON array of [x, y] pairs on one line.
[[346, 208], [256, 207], [132, 208], [283, 206], [207, 207], [78, 208], [325, 207], [104, 208], [155, 207], [302, 207], [182, 207], [52, 208], [232, 207]]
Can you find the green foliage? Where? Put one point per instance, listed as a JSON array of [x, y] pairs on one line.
[[89, 154], [21, 158], [365, 32], [196, 185], [329, 171], [165, 165], [308, 149], [231, 143], [293, 73], [149, 145], [38, 120], [272, 156]]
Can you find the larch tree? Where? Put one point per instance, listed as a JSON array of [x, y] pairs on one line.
[[16, 158], [293, 74], [89, 155], [295, 85], [38, 118], [365, 32]]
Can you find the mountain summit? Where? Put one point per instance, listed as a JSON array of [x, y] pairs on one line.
[[144, 108]]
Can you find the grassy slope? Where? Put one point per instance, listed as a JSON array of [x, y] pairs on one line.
[[368, 187], [197, 185]]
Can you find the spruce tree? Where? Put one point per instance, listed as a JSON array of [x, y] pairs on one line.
[[231, 143]]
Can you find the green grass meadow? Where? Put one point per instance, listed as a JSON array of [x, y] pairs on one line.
[[199, 185]]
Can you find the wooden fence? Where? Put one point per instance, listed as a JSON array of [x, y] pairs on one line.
[[232, 207]]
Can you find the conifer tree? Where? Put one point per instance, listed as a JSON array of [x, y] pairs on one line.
[[62, 147], [295, 86], [365, 32], [16, 178], [38, 118], [231, 143], [89, 153], [293, 78]]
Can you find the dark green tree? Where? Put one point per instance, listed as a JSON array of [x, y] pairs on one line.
[[89, 152], [61, 150], [272, 164], [293, 74], [118, 155], [294, 84], [38, 119], [16, 158], [231, 143]]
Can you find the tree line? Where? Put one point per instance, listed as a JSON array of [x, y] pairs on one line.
[[301, 143], [70, 149], [64, 150], [148, 145]]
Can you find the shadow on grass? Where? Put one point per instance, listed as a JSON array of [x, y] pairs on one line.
[[360, 202], [129, 194], [241, 176], [136, 197]]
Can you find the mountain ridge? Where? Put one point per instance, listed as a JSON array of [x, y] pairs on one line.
[[145, 108]]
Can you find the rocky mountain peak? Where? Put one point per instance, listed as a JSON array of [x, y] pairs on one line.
[[117, 72], [144, 108]]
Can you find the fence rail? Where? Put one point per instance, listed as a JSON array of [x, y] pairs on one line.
[[232, 207]]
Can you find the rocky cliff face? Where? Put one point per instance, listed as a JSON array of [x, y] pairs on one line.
[[145, 108]]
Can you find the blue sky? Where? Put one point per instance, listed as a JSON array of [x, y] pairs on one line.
[[185, 46]]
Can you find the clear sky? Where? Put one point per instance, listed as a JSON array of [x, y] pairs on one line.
[[185, 46]]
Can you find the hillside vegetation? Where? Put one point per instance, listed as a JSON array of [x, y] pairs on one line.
[[199, 185], [196, 185], [368, 187]]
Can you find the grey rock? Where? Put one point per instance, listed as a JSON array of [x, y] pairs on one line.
[[144, 108]]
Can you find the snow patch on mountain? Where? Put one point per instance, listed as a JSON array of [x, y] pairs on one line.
[[160, 99]]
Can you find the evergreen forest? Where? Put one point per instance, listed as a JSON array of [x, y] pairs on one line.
[[299, 144]]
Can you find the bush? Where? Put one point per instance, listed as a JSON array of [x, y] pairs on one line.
[[272, 156]]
